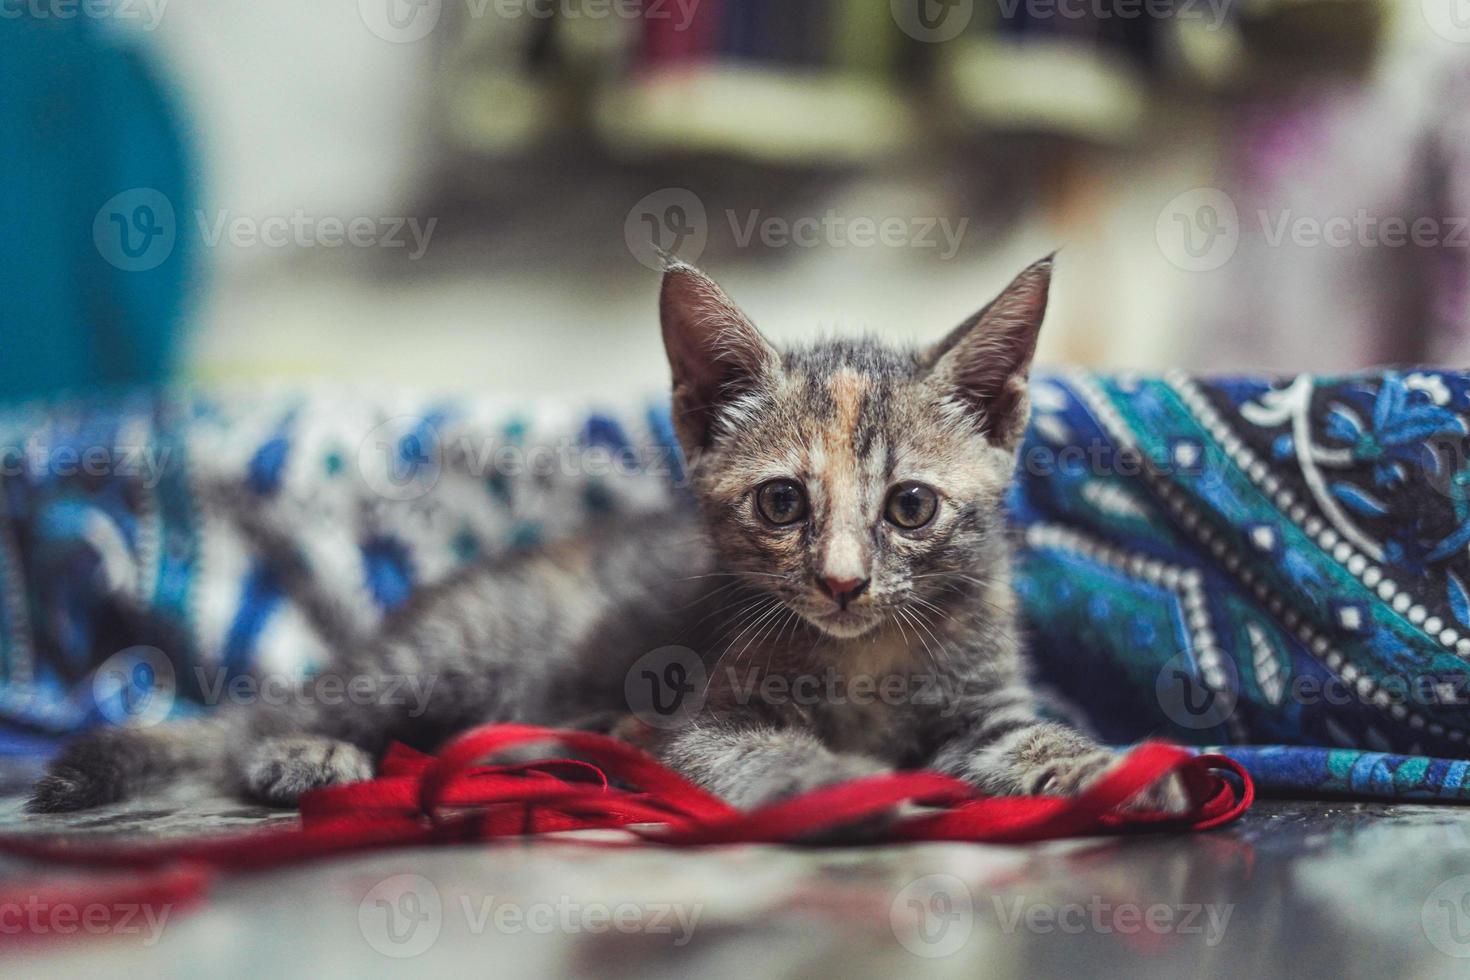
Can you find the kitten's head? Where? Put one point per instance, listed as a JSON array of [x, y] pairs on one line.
[[850, 478]]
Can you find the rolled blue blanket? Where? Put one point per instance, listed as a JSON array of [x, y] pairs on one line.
[[1278, 567]]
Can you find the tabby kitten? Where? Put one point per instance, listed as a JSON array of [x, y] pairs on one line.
[[839, 579]]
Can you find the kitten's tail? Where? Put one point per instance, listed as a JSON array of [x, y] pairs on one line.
[[110, 764]]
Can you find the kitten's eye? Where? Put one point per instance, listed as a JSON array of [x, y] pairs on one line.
[[911, 506], [781, 501]]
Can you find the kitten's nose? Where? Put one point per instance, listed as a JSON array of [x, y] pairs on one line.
[[844, 590]]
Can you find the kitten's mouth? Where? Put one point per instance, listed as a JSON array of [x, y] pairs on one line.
[[845, 624]]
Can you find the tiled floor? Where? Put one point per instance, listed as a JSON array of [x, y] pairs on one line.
[[1310, 889]]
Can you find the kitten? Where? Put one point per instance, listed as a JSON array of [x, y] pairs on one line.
[[840, 576]]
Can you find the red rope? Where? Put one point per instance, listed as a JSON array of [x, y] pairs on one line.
[[452, 798]]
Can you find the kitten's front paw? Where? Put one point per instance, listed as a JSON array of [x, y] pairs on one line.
[[1166, 796], [774, 787], [1073, 775], [1066, 775], [279, 771]]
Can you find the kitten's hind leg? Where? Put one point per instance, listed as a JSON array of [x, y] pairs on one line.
[[279, 769], [109, 764]]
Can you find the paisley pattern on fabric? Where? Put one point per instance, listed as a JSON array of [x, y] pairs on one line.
[[1281, 566], [1241, 561]]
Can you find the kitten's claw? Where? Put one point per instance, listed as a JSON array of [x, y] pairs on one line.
[[279, 771], [1073, 776]]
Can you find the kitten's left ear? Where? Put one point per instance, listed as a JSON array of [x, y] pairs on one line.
[[985, 362]]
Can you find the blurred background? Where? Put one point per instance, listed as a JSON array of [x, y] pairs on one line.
[[466, 194]]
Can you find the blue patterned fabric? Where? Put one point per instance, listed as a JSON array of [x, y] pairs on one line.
[[1238, 561], [1277, 567]]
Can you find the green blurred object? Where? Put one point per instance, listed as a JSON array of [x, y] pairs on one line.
[[95, 196]]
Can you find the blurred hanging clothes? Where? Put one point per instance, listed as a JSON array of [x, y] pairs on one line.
[[784, 81], [96, 203], [1329, 184]]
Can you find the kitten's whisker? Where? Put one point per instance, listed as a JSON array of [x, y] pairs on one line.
[[747, 612], [908, 615], [921, 620], [749, 621], [759, 636], [776, 607], [902, 632], [742, 602]]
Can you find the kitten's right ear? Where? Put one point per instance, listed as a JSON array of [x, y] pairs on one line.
[[715, 352]]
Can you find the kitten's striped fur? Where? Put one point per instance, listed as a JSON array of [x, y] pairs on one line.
[[551, 638]]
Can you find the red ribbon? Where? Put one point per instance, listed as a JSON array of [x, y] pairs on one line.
[[454, 798]]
